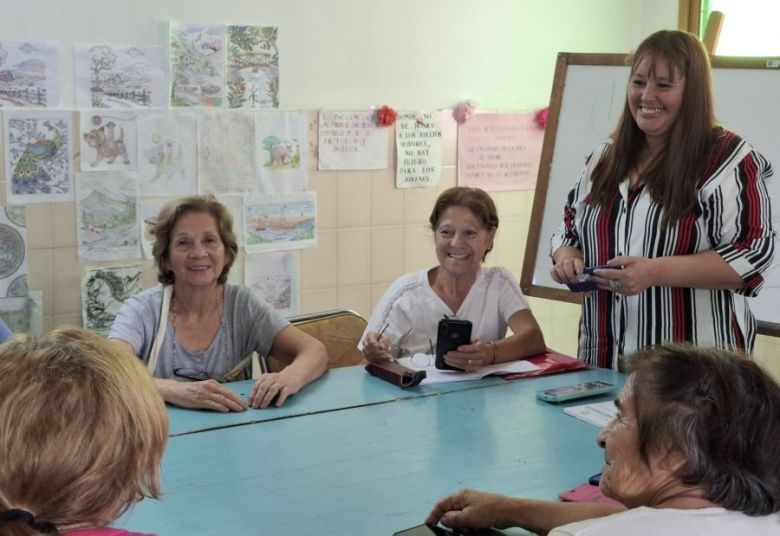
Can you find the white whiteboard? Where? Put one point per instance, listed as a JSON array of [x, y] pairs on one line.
[[587, 99]]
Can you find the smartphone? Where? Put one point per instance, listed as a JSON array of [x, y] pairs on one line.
[[451, 334], [579, 390], [595, 479], [435, 530], [585, 282]]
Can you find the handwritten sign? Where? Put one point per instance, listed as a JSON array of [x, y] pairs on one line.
[[418, 146], [351, 140], [499, 152]]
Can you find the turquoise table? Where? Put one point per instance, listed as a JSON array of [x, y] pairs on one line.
[[338, 389], [373, 468]]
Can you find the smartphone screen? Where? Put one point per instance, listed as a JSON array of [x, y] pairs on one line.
[[579, 390], [451, 334]]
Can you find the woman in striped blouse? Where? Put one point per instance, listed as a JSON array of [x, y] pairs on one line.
[[677, 202]]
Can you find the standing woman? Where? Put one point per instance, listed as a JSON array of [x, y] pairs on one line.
[[680, 204], [194, 327]]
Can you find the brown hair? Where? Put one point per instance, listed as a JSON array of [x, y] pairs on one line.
[[719, 410], [167, 219], [476, 200], [82, 430], [672, 175]]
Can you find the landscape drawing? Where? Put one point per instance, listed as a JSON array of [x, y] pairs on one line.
[[274, 277], [167, 152], [274, 223], [111, 76], [149, 209], [38, 156], [103, 291], [253, 67], [108, 141], [197, 58], [226, 148], [107, 217], [282, 151], [29, 75], [13, 256]]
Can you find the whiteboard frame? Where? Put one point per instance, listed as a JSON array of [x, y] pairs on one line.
[[532, 251]]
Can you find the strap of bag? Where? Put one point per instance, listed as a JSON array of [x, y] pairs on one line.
[[162, 327]]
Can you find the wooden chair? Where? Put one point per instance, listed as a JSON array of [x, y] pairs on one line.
[[339, 330]]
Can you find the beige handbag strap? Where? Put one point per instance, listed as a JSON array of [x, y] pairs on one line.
[[162, 327]]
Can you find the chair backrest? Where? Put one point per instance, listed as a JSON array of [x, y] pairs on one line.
[[339, 330]]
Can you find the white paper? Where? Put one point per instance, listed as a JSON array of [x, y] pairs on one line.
[[107, 217], [31, 76], [275, 278], [197, 57], [149, 210], [418, 149], [38, 156], [253, 67], [103, 291], [23, 315], [226, 147], [282, 151], [275, 223], [599, 414], [167, 152], [235, 206], [351, 140], [108, 140], [112, 76], [13, 252], [433, 375]]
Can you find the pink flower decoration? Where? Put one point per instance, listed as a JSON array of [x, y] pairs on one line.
[[463, 111], [385, 116], [541, 117]]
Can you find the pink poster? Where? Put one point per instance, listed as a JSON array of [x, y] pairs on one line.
[[498, 152]]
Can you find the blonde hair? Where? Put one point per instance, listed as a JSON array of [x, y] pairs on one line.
[[82, 430]]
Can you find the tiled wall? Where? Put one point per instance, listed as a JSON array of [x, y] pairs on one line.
[[369, 234]]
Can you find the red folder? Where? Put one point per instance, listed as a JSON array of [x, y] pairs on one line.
[[550, 362]]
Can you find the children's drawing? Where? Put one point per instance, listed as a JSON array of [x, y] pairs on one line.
[[38, 149], [102, 293], [226, 147], [273, 223], [351, 140], [167, 149], [150, 209], [109, 141], [197, 56], [13, 255], [107, 217], [275, 278], [23, 315], [235, 206], [282, 151], [110, 76], [253, 67], [29, 75]]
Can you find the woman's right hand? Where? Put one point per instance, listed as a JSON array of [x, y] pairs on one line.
[[376, 348], [568, 265], [208, 394]]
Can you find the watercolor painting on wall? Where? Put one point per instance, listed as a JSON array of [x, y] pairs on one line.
[[253, 67], [274, 223], [29, 74], [197, 58]]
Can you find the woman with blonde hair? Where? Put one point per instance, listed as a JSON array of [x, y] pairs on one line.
[[82, 433]]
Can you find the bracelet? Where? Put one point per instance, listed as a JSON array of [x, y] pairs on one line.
[[492, 345]]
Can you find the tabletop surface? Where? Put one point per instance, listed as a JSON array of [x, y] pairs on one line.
[[370, 468]]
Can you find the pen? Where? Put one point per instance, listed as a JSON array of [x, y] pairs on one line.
[[382, 332]]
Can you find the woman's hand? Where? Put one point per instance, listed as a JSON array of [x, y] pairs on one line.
[[471, 357], [568, 265], [471, 509], [208, 394], [376, 348], [274, 388], [638, 274]]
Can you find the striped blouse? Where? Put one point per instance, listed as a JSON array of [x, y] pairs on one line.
[[732, 217]]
